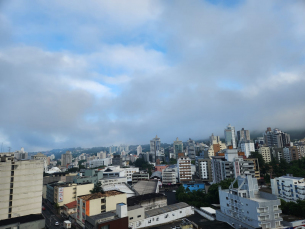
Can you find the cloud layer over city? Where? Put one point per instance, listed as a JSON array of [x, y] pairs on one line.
[[97, 73]]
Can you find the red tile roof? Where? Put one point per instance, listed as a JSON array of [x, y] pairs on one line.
[[71, 205]]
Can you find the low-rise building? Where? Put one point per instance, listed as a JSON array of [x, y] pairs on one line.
[[169, 176], [139, 176], [288, 188], [148, 201], [113, 180], [163, 215], [99, 162], [90, 176], [161, 167], [33, 221], [120, 187], [96, 203], [70, 208], [109, 220], [146, 186], [246, 207]]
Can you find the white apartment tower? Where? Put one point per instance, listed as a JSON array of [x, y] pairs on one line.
[[246, 207], [21, 187], [230, 136], [139, 150]]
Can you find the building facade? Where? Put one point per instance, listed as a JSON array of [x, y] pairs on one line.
[[229, 134], [155, 147], [191, 153], [169, 176], [265, 152], [66, 159], [184, 169], [246, 207], [288, 188], [21, 187], [204, 169], [177, 147]]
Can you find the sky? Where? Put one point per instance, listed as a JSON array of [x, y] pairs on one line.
[[100, 73]]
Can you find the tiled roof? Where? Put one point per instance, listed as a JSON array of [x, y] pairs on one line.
[[100, 195], [71, 204]]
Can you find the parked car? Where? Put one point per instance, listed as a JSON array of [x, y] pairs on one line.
[[56, 223]]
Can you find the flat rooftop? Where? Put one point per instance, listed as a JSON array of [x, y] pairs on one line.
[[290, 177], [100, 195], [165, 209], [22, 219], [137, 200], [146, 186]]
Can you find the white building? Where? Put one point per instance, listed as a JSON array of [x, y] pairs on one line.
[[21, 187], [288, 188], [184, 169], [113, 180], [130, 171], [204, 169], [163, 215], [246, 207], [41, 157], [139, 150], [247, 147], [169, 176], [99, 162], [101, 155]]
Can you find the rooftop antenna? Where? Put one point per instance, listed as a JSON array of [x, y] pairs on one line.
[[9, 149]]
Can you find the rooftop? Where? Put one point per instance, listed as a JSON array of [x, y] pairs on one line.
[[72, 204], [291, 177], [137, 200], [146, 186], [165, 209], [100, 195], [129, 208], [119, 187], [22, 219]]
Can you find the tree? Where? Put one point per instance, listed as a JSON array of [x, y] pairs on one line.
[[97, 188], [172, 161]]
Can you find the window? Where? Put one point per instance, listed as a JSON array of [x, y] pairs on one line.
[[130, 218], [139, 216], [180, 211]]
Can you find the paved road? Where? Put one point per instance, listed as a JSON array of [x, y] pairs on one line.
[[51, 217]]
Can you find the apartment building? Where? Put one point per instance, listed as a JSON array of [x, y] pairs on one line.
[[89, 176], [295, 153], [204, 169], [96, 203], [246, 207], [113, 180], [247, 147], [256, 166], [288, 188], [265, 152], [169, 176], [66, 159], [230, 166], [21, 187], [286, 154], [99, 162], [139, 176], [184, 169]]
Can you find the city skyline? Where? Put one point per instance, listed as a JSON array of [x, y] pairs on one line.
[[107, 73]]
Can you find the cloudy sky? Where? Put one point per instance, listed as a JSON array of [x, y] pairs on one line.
[[97, 73]]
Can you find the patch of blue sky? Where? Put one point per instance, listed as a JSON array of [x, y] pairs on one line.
[[226, 3], [229, 85]]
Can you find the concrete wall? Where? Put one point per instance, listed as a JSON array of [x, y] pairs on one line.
[[111, 201], [134, 213], [27, 188], [84, 189]]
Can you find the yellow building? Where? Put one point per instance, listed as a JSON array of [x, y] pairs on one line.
[[97, 203], [265, 152], [68, 192]]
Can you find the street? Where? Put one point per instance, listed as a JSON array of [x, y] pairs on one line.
[[51, 218]]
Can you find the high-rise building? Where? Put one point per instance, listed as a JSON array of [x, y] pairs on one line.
[[247, 147], [230, 136], [66, 159], [265, 152], [243, 135], [276, 138], [191, 149], [184, 169], [214, 139], [155, 146], [21, 187], [247, 207], [178, 147], [204, 169], [139, 150]]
